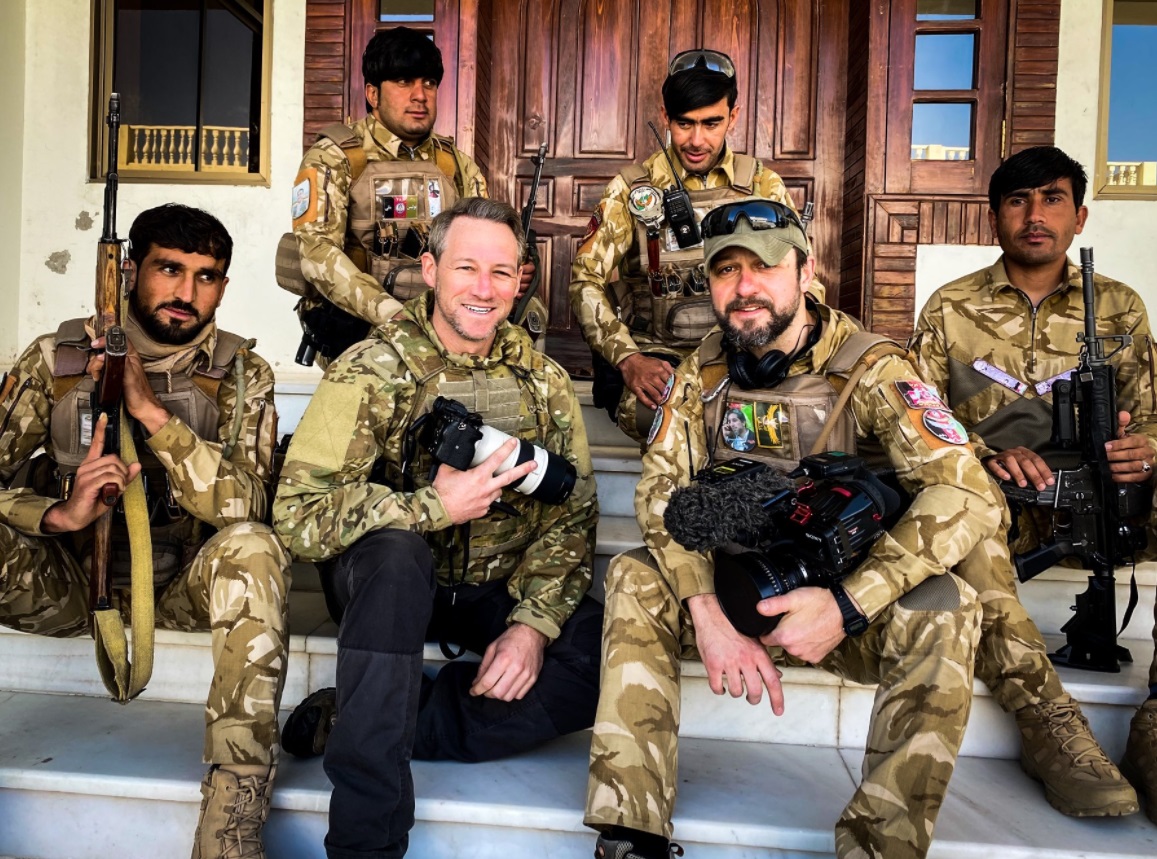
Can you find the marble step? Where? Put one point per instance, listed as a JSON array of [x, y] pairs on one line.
[[821, 709], [70, 789]]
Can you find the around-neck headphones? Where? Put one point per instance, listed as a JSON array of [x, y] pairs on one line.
[[751, 373]]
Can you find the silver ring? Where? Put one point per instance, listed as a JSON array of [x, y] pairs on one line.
[[1146, 467]]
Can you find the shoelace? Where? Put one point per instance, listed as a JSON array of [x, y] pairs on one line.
[[246, 819], [1058, 721]]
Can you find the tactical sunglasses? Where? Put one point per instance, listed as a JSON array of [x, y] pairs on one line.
[[712, 61], [761, 214]]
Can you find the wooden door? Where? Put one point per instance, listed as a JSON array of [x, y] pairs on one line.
[[585, 76]]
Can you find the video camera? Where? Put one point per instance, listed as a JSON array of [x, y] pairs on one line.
[[459, 438], [772, 535]]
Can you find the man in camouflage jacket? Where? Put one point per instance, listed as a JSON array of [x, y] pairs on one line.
[[415, 554], [202, 404], [634, 354], [402, 69], [913, 617], [997, 339]]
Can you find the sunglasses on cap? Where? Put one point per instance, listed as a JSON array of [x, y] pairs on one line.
[[712, 61], [761, 214]]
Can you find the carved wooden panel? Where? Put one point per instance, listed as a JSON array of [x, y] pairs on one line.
[[1032, 89], [326, 67]]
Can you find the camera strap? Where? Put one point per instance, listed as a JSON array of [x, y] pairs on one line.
[[464, 536]]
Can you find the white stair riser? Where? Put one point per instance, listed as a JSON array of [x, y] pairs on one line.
[[1049, 603]]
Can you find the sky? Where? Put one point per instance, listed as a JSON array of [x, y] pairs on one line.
[[1133, 100]]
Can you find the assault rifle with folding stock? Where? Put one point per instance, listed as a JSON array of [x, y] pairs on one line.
[[519, 312], [124, 681], [1095, 520]]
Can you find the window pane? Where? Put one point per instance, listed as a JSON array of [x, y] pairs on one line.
[[941, 132], [945, 10], [1132, 152], [945, 61], [231, 104], [405, 10]]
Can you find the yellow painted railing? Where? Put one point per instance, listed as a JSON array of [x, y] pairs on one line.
[[170, 147], [1132, 173], [938, 152]]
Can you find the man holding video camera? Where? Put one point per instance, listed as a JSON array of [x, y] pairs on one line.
[[906, 618], [418, 550]]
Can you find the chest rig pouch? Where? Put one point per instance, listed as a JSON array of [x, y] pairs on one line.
[[682, 316], [191, 397], [800, 416], [391, 206], [509, 399]]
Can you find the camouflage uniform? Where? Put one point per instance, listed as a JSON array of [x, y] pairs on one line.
[[397, 567], [919, 647], [234, 582], [984, 318]]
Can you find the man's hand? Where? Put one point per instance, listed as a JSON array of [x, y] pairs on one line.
[[467, 495], [1130, 456], [524, 278], [729, 656], [647, 378], [511, 664], [811, 625], [85, 505], [1022, 466], [140, 401]]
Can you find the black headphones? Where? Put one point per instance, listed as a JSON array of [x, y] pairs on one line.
[[751, 373]]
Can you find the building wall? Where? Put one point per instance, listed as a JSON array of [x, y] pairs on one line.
[[1120, 231], [12, 40], [58, 216]]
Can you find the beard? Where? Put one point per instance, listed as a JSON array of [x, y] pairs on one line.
[[750, 337], [170, 333], [452, 317]]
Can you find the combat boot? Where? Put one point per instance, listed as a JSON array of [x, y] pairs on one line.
[[1058, 749], [234, 807], [307, 729], [619, 844], [1140, 762]]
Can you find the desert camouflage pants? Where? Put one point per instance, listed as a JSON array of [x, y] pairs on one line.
[[920, 651], [236, 587]]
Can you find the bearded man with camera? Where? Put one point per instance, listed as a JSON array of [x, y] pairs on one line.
[[913, 617], [414, 549]]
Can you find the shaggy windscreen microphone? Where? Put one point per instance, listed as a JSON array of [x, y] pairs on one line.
[[730, 503]]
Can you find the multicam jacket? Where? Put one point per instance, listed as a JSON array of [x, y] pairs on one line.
[[612, 238], [321, 227], [214, 490], [356, 426], [995, 356], [954, 505]]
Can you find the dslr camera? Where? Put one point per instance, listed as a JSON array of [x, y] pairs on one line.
[[459, 438], [817, 532]]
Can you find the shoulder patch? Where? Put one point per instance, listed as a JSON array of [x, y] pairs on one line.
[[942, 424], [918, 395], [593, 225], [303, 201], [8, 383], [660, 425]]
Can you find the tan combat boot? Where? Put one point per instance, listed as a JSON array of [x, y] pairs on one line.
[[1140, 761], [1057, 748], [234, 808]]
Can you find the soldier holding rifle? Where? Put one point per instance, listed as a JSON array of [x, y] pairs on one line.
[[997, 341]]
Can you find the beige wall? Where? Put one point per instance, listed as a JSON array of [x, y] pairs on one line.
[[12, 39], [53, 217]]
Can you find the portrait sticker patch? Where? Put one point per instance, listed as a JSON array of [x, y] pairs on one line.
[[942, 424], [737, 430], [918, 395], [303, 201]]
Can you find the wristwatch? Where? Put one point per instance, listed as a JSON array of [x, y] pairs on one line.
[[855, 622]]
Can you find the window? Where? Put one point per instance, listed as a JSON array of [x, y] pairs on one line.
[[947, 102], [1127, 141], [193, 78]]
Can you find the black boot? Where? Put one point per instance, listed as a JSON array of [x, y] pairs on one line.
[[619, 842]]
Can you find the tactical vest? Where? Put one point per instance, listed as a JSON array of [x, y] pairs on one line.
[[784, 423], [680, 320], [391, 205], [191, 397], [516, 404]]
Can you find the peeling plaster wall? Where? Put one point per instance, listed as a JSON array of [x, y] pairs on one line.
[[59, 217], [12, 38]]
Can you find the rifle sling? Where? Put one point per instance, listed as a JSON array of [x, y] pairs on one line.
[[125, 678]]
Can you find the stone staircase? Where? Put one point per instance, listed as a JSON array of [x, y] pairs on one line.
[[82, 778]]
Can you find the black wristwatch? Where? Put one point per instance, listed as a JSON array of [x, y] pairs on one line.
[[855, 622]]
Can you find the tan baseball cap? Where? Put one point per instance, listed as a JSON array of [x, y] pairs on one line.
[[770, 243]]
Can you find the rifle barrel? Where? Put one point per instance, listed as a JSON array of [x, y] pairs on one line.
[[1090, 298], [112, 179]]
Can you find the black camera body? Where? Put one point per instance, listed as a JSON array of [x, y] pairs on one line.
[[461, 439], [818, 533]]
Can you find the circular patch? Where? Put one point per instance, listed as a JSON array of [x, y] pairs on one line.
[[646, 203], [533, 322], [944, 426]]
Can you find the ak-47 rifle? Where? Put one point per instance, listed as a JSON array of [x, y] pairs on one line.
[[124, 680], [1095, 519], [519, 312]]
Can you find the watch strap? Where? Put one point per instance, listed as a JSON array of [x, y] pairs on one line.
[[855, 622]]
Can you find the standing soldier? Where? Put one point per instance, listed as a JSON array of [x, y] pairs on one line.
[[365, 196], [202, 408], [640, 327]]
